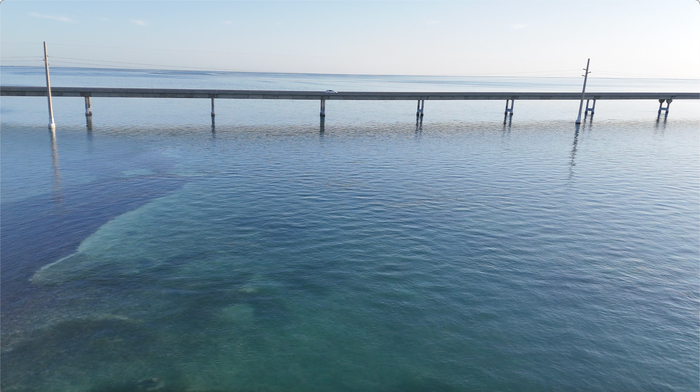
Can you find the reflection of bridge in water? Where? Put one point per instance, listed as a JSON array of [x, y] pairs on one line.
[[322, 96]]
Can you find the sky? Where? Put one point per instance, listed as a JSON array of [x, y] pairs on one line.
[[623, 38]]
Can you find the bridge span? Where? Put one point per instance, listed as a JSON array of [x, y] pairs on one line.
[[323, 96]]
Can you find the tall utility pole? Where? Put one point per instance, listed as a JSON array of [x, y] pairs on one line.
[[583, 93], [52, 125]]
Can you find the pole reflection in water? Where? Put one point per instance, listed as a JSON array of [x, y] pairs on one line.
[[507, 122], [90, 140], [419, 123], [213, 127], [590, 119], [58, 197], [322, 127], [572, 163], [590, 123], [88, 124], [660, 125]]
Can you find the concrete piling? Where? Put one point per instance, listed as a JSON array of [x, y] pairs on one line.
[[509, 109], [88, 107], [662, 108], [590, 109], [421, 107]]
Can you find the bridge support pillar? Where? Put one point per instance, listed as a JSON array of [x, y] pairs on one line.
[[590, 109], [662, 108], [509, 109], [421, 107], [88, 107], [212, 107], [323, 107]]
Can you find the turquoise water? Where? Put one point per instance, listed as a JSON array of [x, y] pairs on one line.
[[162, 252]]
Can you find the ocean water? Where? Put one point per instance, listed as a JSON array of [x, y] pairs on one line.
[[270, 251]]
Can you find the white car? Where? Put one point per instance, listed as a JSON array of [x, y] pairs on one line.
[[331, 92]]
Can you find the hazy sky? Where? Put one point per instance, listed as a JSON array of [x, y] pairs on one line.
[[523, 38]]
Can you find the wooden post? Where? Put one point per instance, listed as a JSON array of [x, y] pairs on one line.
[[212, 107], [323, 107], [52, 124]]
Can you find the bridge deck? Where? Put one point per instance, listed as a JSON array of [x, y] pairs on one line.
[[317, 95]]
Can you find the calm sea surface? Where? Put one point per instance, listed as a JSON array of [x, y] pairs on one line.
[[159, 251]]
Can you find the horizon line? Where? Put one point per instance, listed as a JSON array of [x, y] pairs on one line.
[[193, 69]]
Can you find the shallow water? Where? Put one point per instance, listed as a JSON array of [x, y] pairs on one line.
[[266, 254]]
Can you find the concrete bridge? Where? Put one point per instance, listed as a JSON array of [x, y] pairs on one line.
[[323, 96]]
